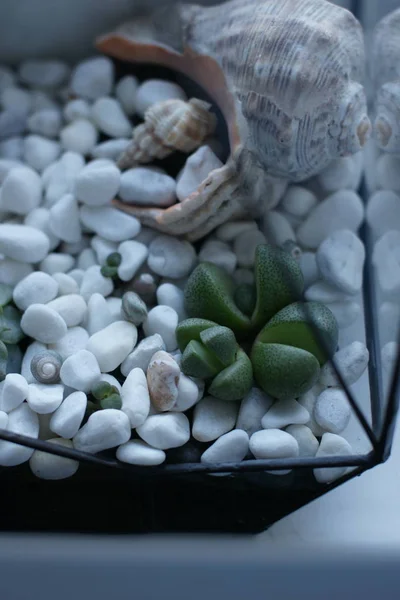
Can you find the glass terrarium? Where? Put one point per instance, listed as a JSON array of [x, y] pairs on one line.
[[332, 331]]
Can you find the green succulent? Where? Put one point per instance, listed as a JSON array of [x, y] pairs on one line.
[[10, 330], [106, 395], [110, 268]]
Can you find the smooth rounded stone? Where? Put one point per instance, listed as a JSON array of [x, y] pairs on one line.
[[94, 282], [345, 313], [36, 288], [351, 361], [125, 91], [133, 255], [386, 260], [53, 467], [231, 447], [212, 418], [343, 173], [245, 244], [7, 78], [133, 308], [196, 169], [45, 398], [57, 262], [166, 430], [283, 413], [39, 152], [171, 257], [162, 379], [21, 191], [62, 178], [111, 149], [98, 315], [17, 100], [253, 407], [109, 117], [170, 295], [389, 354], [383, 212], [342, 210], [137, 452], [87, 258], [76, 109], [111, 380], [23, 243], [110, 223], [153, 91], [64, 219], [72, 308], [135, 397], [243, 276], [79, 136], [24, 421], [6, 165], [67, 419], [331, 445], [230, 230], [80, 371], [277, 228], [32, 349], [340, 259], [308, 443], [164, 321], [389, 321], [219, 253], [141, 355], [93, 78], [147, 187], [97, 183], [42, 73], [115, 308], [11, 123], [298, 200], [112, 345], [189, 392], [103, 248], [332, 410], [104, 429], [14, 392], [43, 324], [46, 122], [145, 286], [12, 148], [3, 420], [39, 218], [388, 172], [42, 100], [72, 342], [321, 291], [308, 401], [273, 443], [76, 248]]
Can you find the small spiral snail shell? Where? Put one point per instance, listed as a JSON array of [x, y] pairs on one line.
[[46, 366]]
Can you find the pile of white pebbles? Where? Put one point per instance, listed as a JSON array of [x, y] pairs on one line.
[[58, 228]]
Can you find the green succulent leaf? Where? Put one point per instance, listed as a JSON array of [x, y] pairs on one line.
[[222, 342], [3, 360], [107, 271], [198, 361], [234, 382], [103, 389], [6, 294], [10, 330], [113, 401], [246, 298], [190, 329], [114, 259]]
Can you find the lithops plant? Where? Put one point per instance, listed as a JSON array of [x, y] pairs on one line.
[[385, 63], [287, 76]]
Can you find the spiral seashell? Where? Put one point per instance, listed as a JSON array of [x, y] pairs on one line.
[[46, 366], [168, 126]]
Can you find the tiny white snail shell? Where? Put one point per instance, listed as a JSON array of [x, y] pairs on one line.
[[45, 366]]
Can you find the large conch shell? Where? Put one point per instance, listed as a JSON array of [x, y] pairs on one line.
[[386, 79]]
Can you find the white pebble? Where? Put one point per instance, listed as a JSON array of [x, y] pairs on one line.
[[388, 172], [23, 243], [386, 260], [170, 295], [321, 291], [389, 356], [308, 400], [345, 313], [39, 218], [93, 78], [42, 100], [218, 253], [135, 398], [188, 393], [383, 212], [46, 122], [62, 178], [32, 349], [12, 123], [111, 149], [76, 109], [332, 410], [298, 201], [97, 183], [52, 467], [147, 187], [389, 321], [94, 282], [43, 324], [72, 342], [104, 429], [109, 117], [24, 421], [3, 420], [277, 228], [111, 380], [79, 136], [21, 191], [351, 362], [12, 148], [64, 219], [171, 257], [153, 91], [80, 371], [67, 419], [6, 165], [342, 173], [212, 418], [12, 271], [342, 210], [252, 409], [39, 152], [98, 314], [230, 230], [340, 259], [125, 91], [112, 345], [14, 392], [45, 398], [283, 413], [245, 245], [137, 452], [163, 320], [103, 248], [16, 100], [110, 223], [273, 443], [141, 355], [197, 168], [231, 447], [71, 308], [87, 258], [331, 445], [66, 284], [43, 73], [308, 443], [164, 431], [36, 288], [133, 255], [57, 262]]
